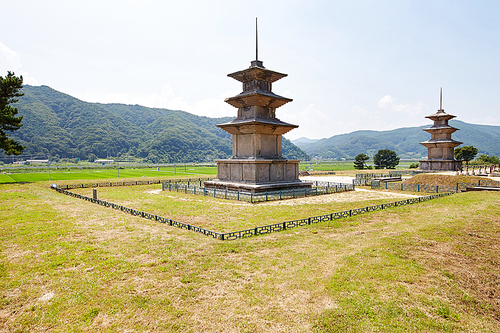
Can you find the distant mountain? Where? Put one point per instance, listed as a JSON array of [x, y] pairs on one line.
[[66, 127], [303, 140], [405, 141]]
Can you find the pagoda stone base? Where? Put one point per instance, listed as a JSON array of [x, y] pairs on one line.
[[440, 165], [257, 175]]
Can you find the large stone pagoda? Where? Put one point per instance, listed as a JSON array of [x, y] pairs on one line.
[[257, 164], [440, 148]]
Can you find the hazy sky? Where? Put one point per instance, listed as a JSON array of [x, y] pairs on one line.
[[351, 64]]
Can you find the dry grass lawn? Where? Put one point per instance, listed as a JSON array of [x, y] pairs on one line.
[[70, 265]]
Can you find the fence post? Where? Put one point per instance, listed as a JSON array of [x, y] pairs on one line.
[[437, 188], [457, 188], [251, 197]]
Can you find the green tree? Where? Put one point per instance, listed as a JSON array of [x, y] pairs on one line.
[[466, 153], [360, 161], [386, 158], [9, 90], [92, 157], [488, 159]]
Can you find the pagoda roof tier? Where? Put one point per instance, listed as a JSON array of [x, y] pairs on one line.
[[258, 98], [441, 143], [441, 129], [257, 73], [440, 115], [257, 125]]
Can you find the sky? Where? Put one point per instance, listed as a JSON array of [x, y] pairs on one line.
[[351, 65]]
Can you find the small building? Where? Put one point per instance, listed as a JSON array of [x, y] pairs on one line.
[[34, 162], [104, 161]]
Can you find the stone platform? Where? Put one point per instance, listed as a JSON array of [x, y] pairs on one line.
[[257, 175], [440, 165]]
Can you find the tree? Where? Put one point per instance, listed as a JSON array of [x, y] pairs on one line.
[[360, 161], [386, 158], [9, 90], [488, 159], [466, 153], [92, 157]]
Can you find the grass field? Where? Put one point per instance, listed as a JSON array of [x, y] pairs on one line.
[[214, 214], [70, 265]]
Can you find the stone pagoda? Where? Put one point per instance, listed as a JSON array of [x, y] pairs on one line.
[[440, 148], [257, 164]]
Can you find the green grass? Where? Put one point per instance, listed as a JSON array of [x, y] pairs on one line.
[[214, 214], [431, 267], [73, 174]]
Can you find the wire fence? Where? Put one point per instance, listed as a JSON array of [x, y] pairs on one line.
[[318, 188], [260, 230]]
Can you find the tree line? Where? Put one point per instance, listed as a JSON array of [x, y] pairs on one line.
[[388, 159]]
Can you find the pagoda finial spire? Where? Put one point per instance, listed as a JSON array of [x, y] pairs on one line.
[[256, 62], [256, 41], [441, 99]]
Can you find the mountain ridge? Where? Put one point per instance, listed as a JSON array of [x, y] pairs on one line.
[[63, 126], [405, 141]]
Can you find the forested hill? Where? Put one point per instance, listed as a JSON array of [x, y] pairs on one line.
[[404, 141], [66, 127]]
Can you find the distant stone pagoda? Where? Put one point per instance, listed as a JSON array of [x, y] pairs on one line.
[[440, 148], [257, 164]]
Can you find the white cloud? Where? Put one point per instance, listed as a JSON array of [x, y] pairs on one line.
[[167, 99], [489, 120], [8, 58], [387, 103], [11, 61], [313, 123], [359, 111]]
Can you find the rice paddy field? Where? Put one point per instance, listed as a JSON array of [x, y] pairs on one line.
[[34, 175]]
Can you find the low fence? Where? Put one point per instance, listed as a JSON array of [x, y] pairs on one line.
[[433, 188], [136, 182], [394, 173], [261, 230], [318, 188]]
